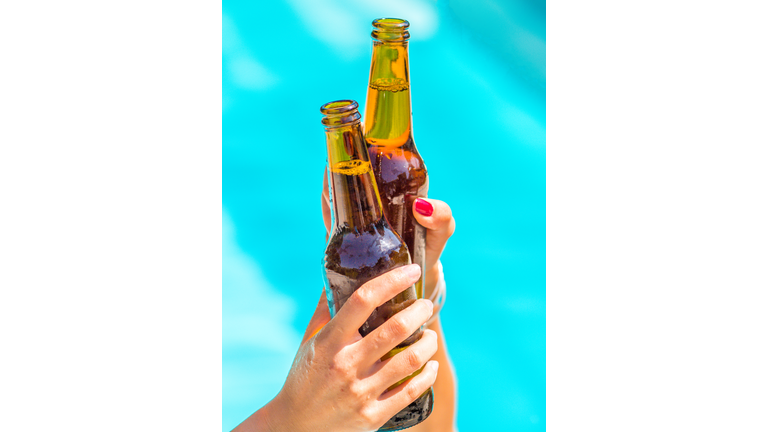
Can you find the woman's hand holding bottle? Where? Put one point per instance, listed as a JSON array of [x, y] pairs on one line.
[[337, 380]]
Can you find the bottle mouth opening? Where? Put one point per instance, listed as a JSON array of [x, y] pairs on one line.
[[338, 107], [340, 113], [391, 24], [390, 30]]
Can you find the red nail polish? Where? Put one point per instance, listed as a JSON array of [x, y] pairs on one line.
[[424, 207]]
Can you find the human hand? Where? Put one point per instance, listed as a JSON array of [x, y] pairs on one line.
[[337, 381], [436, 217]]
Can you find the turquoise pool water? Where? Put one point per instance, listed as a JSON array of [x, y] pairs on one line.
[[478, 89]]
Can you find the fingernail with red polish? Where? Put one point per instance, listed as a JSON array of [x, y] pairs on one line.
[[423, 207]]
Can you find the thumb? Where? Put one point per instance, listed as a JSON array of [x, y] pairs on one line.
[[319, 319]]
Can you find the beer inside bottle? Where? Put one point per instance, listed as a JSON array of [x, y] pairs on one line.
[[399, 169], [362, 245]]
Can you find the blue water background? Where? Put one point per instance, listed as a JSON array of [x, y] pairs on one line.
[[478, 95]]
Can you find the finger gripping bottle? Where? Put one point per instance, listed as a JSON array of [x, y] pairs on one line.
[[362, 245], [399, 169]]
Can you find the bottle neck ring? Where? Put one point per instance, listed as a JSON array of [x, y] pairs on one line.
[[340, 113], [391, 30]]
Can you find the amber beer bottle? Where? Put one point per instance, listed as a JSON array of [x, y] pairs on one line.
[[399, 169], [362, 245]]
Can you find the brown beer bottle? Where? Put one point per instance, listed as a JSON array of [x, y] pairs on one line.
[[362, 245], [400, 172]]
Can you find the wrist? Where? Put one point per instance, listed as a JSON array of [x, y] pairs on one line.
[[437, 294], [263, 420], [431, 277]]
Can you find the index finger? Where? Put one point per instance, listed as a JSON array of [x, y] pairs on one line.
[[437, 218], [371, 295]]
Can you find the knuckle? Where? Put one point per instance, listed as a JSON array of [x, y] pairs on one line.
[[358, 390], [336, 367], [339, 366], [381, 338], [412, 358], [369, 415], [364, 298], [399, 326], [412, 390]]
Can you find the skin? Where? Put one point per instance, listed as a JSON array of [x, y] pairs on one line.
[[337, 381]]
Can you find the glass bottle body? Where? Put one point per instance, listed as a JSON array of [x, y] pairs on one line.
[[400, 172], [362, 245]]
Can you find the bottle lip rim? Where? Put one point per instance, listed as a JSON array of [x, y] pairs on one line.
[[391, 24], [341, 106]]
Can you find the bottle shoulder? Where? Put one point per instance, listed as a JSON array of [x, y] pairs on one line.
[[377, 247], [399, 166]]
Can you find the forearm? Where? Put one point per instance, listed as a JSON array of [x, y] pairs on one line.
[[443, 415]]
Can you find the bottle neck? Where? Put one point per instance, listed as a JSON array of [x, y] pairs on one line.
[[388, 103], [354, 195]]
